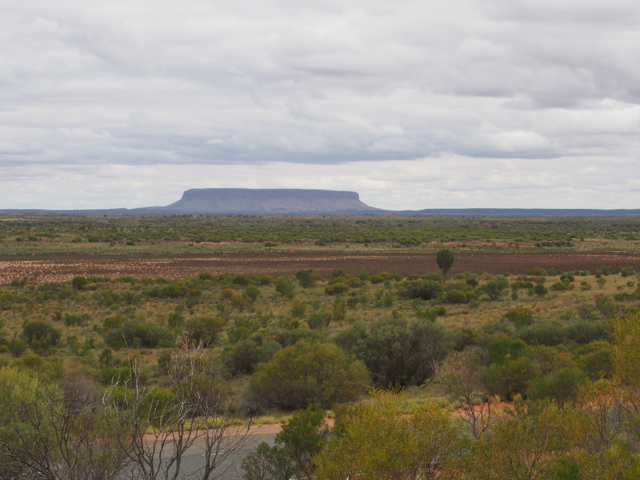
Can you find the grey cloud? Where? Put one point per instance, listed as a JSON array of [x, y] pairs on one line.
[[325, 82]]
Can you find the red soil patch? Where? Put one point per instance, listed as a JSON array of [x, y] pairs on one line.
[[59, 268]]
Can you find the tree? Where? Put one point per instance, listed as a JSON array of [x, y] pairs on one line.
[[307, 373], [463, 378], [55, 434], [444, 258], [522, 447], [159, 424]]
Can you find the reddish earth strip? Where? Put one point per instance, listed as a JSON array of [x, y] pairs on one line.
[[59, 268]]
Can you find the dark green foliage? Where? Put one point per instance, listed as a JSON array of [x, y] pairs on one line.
[[252, 293], [506, 349], [395, 353], [262, 280], [175, 320], [202, 276], [203, 330], [302, 437], [455, 296], [316, 321], [34, 331], [247, 354], [139, 334], [540, 290], [291, 337], [73, 320], [562, 386], [304, 374], [511, 378], [286, 287], [16, 346], [268, 463], [337, 272], [595, 359], [339, 309], [553, 334], [494, 288], [606, 307], [444, 259], [306, 278], [424, 289], [559, 287], [520, 317], [336, 289], [79, 282]]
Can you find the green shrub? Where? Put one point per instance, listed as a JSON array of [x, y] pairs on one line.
[[34, 331], [455, 296], [252, 293], [494, 288], [285, 287], [79, 282], [304, 374], [395, 353], [306, 278], [336, 289], [520, 317], [511, 378], [559, 287], [204, 330], [562, 386], [540, 290], [424, 289]]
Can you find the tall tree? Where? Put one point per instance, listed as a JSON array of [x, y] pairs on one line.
[[445, 262]]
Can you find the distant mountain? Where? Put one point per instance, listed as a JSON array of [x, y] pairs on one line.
[[523, 212], [267, 201], [298, 201]]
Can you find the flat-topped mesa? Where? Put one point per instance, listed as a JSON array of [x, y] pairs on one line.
[[246, 200]]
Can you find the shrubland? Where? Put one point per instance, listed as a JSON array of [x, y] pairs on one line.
[[57, 233], [423, 377]]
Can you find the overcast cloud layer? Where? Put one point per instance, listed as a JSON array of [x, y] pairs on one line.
[[412, 103]]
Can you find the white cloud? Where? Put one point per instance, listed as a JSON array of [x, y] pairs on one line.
[[321, 87]]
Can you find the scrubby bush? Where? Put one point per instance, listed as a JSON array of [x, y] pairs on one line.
[[494, 288], [204, 330], [36, 331], [247, 354], [424, 289], [306, 278], [455, 296], [285, 287], [304, 374], [395, 353], [520, 317], [336, 289]]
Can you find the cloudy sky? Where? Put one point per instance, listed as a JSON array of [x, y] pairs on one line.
[[412, 103]]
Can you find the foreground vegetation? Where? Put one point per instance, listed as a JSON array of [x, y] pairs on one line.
[[478, 376]]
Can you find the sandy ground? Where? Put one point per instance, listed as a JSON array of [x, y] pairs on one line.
[[60, 268]]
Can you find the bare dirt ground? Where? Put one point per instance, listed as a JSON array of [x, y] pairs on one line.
[[60, 268]]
